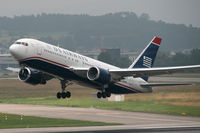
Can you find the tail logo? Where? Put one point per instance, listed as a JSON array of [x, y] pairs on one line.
[[147, 61]]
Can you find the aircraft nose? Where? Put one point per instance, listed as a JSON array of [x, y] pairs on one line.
[[15, 51], [12, 49]]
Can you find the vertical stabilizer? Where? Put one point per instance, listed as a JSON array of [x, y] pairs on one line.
[[147, 57]]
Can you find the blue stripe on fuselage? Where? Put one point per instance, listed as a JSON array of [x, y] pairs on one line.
[[65, 73]]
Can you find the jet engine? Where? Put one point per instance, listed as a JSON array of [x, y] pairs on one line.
[[99, 75], [31, 77]]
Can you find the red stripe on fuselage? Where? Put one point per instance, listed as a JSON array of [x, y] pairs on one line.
[[128, 87], [45, 60]]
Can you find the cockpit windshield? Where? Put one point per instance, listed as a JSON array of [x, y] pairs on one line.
[[22, 43]]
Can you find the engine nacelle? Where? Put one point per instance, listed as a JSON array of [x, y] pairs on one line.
[[99, 75], [31, 77]]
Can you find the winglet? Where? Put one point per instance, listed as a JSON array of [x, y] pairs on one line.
[[157, 40]]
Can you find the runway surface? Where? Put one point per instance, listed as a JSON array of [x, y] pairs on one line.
[[142, 122]]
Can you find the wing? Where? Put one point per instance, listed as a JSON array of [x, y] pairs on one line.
[[145, 72], [119, 74]]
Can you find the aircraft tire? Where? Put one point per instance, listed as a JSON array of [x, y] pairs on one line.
[[108, 94], [103, 94], [99, 95], [68, 94], [63, 94], [59, 95]]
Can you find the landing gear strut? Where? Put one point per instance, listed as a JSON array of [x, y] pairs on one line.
[[63, 94], [103, 94]]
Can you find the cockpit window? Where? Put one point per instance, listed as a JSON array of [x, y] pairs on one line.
[[23, 43], [18, 43]]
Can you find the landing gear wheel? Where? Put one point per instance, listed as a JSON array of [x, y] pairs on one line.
[[68, 94], [63, 95], [103, 94], [108, 94], [59, 95], [64, 84], [99, 95]]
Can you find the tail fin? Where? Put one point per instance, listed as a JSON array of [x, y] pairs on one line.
[[148, 55]]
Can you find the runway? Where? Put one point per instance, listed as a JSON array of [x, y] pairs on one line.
[[132, 120], [104, 129]]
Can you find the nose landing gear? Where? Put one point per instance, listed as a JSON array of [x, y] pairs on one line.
[[64, 94]]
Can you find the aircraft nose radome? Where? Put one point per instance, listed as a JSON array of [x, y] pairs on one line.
[[12, 49]]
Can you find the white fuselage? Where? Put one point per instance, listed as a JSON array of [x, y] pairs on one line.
[[38, 50]]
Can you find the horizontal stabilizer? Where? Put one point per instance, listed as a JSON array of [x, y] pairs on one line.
[[163, 84]]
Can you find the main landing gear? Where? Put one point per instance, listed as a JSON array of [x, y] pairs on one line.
[[64, 94], [103, 94]]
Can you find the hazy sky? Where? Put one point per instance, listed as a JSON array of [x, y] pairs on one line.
[[173, 11]]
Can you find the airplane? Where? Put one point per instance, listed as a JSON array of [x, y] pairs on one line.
[[40, 62]]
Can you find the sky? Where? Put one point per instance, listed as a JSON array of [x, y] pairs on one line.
[[171, 11]]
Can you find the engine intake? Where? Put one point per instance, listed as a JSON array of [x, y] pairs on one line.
[[31, 77], [99, 75]]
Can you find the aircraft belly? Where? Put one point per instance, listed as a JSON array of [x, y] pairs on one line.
[[59, 71]]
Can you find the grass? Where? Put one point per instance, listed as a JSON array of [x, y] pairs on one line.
[[180, 100], [150, 106], [18, 121]]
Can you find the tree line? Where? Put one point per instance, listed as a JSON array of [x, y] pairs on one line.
[[83, 32]]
